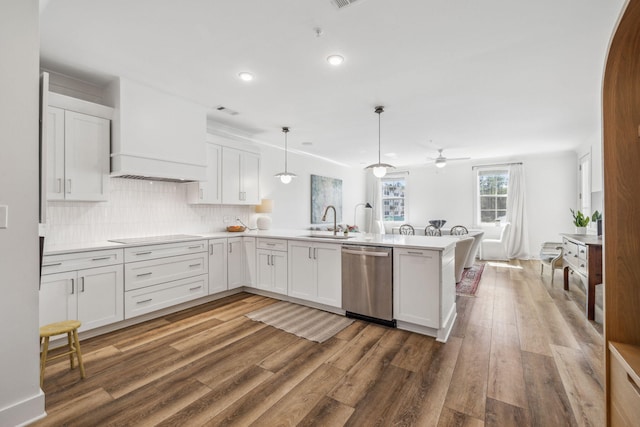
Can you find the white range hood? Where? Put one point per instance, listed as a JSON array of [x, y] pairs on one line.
[[156, 135]]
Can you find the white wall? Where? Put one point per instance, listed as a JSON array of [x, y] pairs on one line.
[[20, 397], [448, 194], [292, 202]]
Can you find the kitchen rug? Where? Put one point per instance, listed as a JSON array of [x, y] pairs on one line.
[[470, 280], [309, 323]]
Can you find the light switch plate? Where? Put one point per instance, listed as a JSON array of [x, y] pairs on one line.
[[4, 216]]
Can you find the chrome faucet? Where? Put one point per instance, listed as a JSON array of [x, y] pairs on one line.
[[324, 218]]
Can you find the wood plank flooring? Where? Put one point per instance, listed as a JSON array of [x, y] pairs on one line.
[[521, 353]]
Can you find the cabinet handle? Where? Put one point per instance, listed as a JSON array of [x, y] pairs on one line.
[[144, 274], [69, 185], [59, 185], [268, 260], [315, 253], [195, 247], [100, 259], [143, 253], [211, 249], [230, 248], [196, 288], [52, 265], [82, 284], [273, 260], [414, 253], [271, 244], [195, 265], [73, 286], [310, 252], [144, 300]]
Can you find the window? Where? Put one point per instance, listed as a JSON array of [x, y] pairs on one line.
[[492, 195], [394, 198]]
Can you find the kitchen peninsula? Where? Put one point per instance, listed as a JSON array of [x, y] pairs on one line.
[[134, 282]]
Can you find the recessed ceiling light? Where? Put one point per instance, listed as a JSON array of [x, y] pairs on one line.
[[307, 143], [246, 76], [335, 60]]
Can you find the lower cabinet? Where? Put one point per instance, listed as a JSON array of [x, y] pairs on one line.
[[271, 265], [217, 266], [93, 296], [152, 298], [424, 288], [241, 262], [315, 272]]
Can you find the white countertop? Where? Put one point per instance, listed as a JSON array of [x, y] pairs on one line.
[[392, 240]]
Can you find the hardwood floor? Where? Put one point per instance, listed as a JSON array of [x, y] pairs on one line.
[[521, 353]]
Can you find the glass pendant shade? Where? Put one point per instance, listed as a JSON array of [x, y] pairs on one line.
[[379, 169], [285, 177]]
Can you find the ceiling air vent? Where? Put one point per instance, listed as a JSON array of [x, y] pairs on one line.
[[344, 3], [226, 110]]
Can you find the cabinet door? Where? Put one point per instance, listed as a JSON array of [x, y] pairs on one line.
[[58, 297], [211, 188], [302, 274], [231, 190], [87, 145], [264, 269], [55, 154], [250, 178], [280, 271], [249, 253], [235, 267], [416, 296], [217, 265], [100, 296], [329, 274]]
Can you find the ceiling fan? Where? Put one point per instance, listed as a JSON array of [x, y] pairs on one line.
[[441, 161]]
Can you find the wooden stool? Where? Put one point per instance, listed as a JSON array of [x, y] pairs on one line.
[[69, 327]]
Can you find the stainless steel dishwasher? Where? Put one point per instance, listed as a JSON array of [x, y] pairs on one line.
[[367, 283]]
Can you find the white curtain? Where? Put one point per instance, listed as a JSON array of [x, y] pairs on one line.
[[518, 239]]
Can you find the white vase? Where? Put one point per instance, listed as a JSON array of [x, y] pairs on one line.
[[581, 230]]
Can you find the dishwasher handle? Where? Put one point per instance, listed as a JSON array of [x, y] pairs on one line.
[[366, 253]]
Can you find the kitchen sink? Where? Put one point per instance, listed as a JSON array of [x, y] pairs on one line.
[[328, 236]]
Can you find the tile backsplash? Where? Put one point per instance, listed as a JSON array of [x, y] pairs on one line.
[[138, 208]]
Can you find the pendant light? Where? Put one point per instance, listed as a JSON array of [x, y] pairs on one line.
[[285, 177], [379, 169]]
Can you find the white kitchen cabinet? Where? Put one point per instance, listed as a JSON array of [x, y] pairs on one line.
[[93, 296], [241, 262], [77, 156], [240, 177], [271, 265], [217, 266], [315, 272], [424, 290], [209, 191]]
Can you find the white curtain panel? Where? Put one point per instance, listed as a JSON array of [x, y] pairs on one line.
[[518, 238]]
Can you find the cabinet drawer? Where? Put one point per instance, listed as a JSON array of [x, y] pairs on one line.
[[80, 260], [164, 295], [570, 250], [582, 252], [141, 253], [272, 244], [147, 273], [625, 394]]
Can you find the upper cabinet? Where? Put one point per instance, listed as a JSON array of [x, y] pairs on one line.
[[210, 190], [156, 135], [240, 177], [77, 149]]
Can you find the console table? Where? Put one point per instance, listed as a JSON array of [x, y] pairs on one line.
[[583, 255]]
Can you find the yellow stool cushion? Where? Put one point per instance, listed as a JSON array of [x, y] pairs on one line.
[[59, 328]]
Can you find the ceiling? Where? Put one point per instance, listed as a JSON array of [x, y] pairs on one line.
[[485, 79]]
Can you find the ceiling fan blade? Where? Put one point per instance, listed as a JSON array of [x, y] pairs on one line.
[[458, 158]]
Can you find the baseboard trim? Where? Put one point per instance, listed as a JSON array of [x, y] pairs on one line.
[[25, 412]]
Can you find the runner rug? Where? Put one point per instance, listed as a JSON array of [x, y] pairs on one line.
[[305, 322], [470, 280]]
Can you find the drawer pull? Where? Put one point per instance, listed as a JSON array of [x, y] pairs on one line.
[[144, 274], [194, 247], [414, 253], [52, 265], [144, 300], [143, 253], [633, 384], [195, 265], [271, 244], [101, 258], [195, 289]]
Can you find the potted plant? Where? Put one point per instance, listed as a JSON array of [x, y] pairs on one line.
[[580, 221], [597, 218]]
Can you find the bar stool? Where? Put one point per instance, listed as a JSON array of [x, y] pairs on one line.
[[69, 327]]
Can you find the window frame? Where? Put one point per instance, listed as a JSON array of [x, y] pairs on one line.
[[505, 170], [395, 176]]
